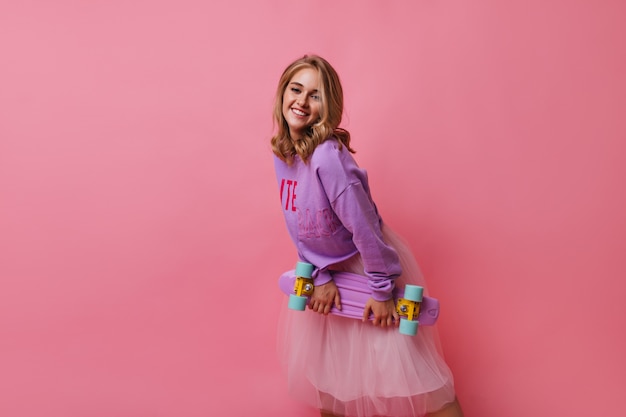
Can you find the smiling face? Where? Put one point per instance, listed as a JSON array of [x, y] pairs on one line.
[[302, 101]]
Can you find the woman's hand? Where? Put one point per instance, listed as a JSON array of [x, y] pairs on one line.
[[323, 298], [385, 313]]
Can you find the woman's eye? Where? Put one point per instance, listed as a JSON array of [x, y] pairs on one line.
[[295, 90], [315, 97]]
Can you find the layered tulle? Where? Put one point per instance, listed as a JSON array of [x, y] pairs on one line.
[[350, 368]]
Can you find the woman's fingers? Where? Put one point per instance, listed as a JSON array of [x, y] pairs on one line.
[[338, 301], [321, 306], [385, 314], [317, 306], [327, 308], [366, 312], [384, 320], [323, 298]]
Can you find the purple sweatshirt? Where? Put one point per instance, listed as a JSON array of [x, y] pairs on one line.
[[331, 216]]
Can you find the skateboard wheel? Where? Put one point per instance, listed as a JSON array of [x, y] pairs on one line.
[[297, 302], [304, 269], [413, 293], [408, 327]]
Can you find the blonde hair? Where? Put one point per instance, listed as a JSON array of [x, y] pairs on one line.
[[331, 111]]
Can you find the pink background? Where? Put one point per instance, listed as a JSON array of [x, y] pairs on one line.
[[140, 233]]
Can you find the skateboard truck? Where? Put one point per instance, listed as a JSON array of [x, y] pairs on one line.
[[409, 307], [303, 286]]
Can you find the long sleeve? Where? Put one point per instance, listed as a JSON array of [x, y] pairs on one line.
[[347, 189], [358, 214]]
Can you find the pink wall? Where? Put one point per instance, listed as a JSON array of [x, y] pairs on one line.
[[140, 236]]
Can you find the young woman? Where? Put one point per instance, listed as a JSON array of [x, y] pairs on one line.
[[342, 366]]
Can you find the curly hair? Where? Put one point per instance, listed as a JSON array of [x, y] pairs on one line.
[[331, 112]]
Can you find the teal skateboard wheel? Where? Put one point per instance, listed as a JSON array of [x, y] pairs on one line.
[[408, 327], [297, 302], [413, 293], [304, 269]]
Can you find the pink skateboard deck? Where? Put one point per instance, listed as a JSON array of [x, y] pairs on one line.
[[354, 293]]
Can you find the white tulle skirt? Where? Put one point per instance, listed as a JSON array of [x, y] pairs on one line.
[[349, 368]]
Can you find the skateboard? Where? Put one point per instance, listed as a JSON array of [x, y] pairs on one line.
[[413, 307]]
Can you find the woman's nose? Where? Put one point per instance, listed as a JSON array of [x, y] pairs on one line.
[[302, 101]]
